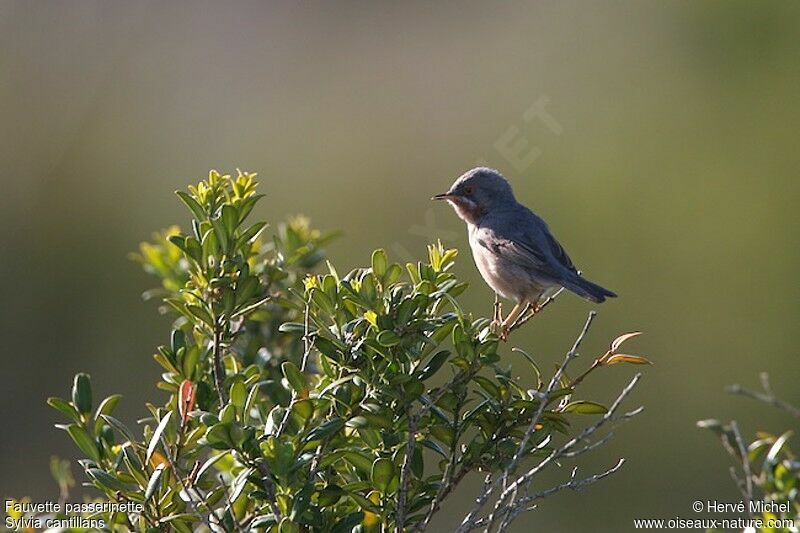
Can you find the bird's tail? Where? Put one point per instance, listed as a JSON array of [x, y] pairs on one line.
[[586, 289]]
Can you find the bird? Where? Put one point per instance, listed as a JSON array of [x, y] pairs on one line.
[[513, 248]]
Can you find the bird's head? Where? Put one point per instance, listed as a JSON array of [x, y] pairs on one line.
[[478, 192]]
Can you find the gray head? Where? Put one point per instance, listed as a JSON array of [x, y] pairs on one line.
[[478, 192]]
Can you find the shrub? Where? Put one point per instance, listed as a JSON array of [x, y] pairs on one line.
[[300, 399], [766, 471]]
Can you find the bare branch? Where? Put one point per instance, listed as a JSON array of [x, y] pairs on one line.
[[768, 396], [501, 507], [468, 523], [524, 504], [747, 489]]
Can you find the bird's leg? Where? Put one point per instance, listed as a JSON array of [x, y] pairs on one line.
[[535, 308], [497, 319], [511, 318], [530, 311]]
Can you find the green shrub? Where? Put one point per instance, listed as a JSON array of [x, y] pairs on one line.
[[766, 471], [300, 399]]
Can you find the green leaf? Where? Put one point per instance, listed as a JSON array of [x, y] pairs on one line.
[[434, 364], [190, 359], [330, 495], [218, 437], [152, 484], [379, 263], [393, 273], [382, 473], [230, 219], [178, 339], [359, 460], [201, 313], [585, 408], [107, 405], [238, 393], [65, 407], [192, 204], [156, 436], [107, 480], [364, 503], [295, 378], [388, 338], [488, 386], [252, 233], [84, 442], [119, 426], [82, 393], [304, 409], [325, 429]]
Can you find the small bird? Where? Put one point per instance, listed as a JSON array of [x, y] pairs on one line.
[[513, 248]]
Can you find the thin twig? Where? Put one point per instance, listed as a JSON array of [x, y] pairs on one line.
[[307, 344], [573, 484], [187, 486], [526, 478], [448, 481], [768, 396], [218, 368], [468, 523], [405, 471], [747, 489], [230, 503], [413, 423]]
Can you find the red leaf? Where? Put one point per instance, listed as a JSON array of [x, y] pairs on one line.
[[186, 395]]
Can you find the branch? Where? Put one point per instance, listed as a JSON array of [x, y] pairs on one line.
[[307, 344], [747, 487], [468, 523], [413, 423], [525, 479], [573, 484], [400, 511], [767, 396], [218, 368]]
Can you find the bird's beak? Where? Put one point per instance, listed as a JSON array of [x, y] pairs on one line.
[[444, 196]]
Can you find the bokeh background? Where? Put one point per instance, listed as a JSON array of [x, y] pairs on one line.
[[659, 139]]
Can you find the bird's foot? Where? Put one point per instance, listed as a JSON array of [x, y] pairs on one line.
[[530, 311]]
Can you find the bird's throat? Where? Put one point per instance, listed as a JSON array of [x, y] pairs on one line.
[[467, 210]]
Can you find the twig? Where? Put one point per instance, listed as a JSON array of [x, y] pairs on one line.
[[526, 478], [218, 368], [572, 484], [748, 475], [449, 480], [468, 523], [186, 487], [768, 396], [307, 344], [230, 503], [413, 424], [400, 511], [269, 488]]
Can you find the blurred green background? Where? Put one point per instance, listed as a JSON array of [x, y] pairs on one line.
[[664, 155]]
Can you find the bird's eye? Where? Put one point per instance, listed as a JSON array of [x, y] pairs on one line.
[[468, 190]]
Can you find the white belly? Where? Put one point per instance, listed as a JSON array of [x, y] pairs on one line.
[[506, 278]]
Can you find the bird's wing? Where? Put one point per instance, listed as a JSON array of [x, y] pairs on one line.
[[530, 245]]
